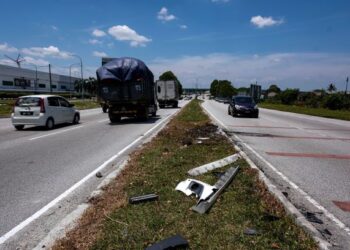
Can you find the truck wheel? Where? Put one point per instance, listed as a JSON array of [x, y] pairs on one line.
[[104, 108], [114, 118], [175, 105], [161, 106], [154, 114]]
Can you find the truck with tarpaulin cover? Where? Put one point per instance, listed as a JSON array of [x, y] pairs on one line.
[[127, 88]]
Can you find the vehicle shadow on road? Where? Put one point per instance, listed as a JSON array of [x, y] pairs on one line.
[[127, 121], [43, 128]]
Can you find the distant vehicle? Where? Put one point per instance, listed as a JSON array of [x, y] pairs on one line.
[[243, 105], [126, 87], [168, 93], [43, 110]]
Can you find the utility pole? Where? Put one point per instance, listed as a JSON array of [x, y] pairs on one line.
[[346, 86], [50, 78]]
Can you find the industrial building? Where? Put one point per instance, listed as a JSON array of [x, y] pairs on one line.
[[27, 80]]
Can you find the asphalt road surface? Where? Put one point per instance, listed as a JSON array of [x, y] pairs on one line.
[[307, 157], [37, 166]]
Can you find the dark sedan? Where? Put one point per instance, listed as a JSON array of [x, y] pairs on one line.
[[244, 106]]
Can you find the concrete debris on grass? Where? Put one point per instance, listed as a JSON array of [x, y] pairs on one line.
[[214, 165]]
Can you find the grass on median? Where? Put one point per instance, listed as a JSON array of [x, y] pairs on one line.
[[335, 114], [112, 223]]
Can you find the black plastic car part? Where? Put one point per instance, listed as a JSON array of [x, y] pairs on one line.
[[174, 242]]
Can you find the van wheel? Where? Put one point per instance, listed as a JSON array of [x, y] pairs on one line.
[[76, 119], [50, 124], [19, 127]]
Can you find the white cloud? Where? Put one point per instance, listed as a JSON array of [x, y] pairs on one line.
[[262, 22], [98, 33], [95, 41], [124, 33], [8, 62], [53, 27], [305, 71], [99, 54], [164, 15], [38, 62], [183, 27], [47, 51], [7, 48]]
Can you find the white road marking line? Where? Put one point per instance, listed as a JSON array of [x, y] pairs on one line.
[[292, 184], [104, 120], [55, 133], [36, 215]]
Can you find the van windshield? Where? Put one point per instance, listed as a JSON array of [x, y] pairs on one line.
[[28, 102]]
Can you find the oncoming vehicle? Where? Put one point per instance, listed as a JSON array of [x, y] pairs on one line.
[[43, 110], [243, 105]]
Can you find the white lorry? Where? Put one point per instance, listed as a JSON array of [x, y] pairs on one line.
[[168, 93]]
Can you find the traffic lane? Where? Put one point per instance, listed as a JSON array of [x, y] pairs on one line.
[[312, 124], [9, 133], [325, 179], [285, 124], [35, 172]]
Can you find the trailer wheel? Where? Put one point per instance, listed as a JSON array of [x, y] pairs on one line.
[[175, 105]]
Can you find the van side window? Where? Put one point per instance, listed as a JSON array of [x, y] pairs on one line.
[[53, 101], [64, 103]]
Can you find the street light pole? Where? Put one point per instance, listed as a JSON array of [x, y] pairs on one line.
[[70, 78], [81, 71]]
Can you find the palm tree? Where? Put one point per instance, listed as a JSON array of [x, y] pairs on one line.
[[331, 88]]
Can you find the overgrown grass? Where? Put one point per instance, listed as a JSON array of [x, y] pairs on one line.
[[6, 106], [335, 114], [158, 168]]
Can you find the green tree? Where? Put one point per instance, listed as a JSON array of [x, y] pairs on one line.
[[170, 76], [331, 88], [214, 87], [289, 96], [274, 88]]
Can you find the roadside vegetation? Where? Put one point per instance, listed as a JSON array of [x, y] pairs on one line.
[[112, 223]]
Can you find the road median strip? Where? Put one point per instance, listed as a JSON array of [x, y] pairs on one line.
[[112, 223]]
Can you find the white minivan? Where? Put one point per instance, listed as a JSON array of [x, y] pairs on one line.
[[43, 110]]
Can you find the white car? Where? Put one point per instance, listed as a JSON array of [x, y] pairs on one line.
[[43, 110]]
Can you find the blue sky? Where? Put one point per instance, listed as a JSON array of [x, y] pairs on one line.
[[296, 44]]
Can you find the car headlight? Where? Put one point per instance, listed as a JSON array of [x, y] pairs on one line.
[[237, 106]]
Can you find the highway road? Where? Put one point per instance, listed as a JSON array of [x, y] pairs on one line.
[[307, 157], [37, 166]]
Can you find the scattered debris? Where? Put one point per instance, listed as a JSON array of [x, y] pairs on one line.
[[213, 165], [218, 174], [270, 217], [174, 242], [200, 189], [312, 218], [220, 185], [285, 194], [187, 141], [99, 175], [325, 232], [203, 138], [251, 232], [143, 198]]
